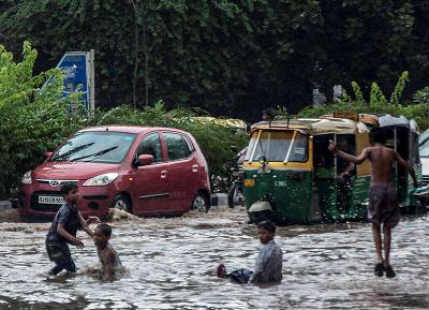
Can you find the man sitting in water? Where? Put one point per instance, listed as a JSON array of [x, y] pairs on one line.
[[109, 258], [383, 200], [63, 231], [268, 267]]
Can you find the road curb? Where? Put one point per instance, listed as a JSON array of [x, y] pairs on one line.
[[219, 199]]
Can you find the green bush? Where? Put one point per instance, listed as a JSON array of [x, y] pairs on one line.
[[378, 104], [31, 120]]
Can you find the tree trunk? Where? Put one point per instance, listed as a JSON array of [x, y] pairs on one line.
[[136, 58], [146, 65]]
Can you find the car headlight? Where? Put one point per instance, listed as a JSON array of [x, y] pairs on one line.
[[101, 180], [26, 178]]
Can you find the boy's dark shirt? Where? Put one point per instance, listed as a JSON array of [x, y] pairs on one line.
[[69, 217]]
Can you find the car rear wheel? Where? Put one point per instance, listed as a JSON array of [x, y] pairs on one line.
[[201, 203], [123, 203]]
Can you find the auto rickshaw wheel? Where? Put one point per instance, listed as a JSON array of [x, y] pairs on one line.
[[257, 217]]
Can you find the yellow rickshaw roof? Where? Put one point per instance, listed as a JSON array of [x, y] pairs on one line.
[[315, 126]]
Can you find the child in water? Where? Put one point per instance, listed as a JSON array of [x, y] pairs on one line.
[[268, 267], [109, 258], [63, 231]]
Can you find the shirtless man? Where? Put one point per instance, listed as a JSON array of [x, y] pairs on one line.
[[383, 201]]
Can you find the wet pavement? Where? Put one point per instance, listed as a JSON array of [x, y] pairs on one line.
[[171, 261]]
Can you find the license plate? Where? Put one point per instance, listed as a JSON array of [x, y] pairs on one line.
[[51, 200]]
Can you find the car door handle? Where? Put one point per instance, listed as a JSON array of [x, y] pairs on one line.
[[164, 174], [195, 168]]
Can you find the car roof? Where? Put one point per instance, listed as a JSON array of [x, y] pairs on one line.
[[127, 129]]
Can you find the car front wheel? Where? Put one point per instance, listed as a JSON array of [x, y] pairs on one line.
[[123, 203]]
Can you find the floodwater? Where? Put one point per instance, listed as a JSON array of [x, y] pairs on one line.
[[170, 265]]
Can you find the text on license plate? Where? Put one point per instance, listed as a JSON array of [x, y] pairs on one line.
[[51, 200]]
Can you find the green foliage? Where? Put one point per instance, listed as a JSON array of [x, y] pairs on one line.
[[358, 93], [31, 120], [378, 104], [280, 113], [422, 96], [399, 88], [421, 102], [377, 98], [225, 56]]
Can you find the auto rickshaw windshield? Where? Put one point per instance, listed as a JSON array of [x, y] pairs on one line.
[[278, 146], [424, 149]]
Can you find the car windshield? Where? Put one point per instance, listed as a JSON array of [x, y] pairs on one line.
[[424, 149], [97, 146], [278, 146]]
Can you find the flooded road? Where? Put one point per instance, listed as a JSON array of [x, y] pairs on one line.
[[171, 264]]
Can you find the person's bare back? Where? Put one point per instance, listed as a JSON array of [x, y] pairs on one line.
[[382, 164]]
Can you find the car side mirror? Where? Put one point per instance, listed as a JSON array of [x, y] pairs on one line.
[[145, 159], [47, 154]]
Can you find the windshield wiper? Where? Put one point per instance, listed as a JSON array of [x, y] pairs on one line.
[[99, 153], [290, 148], [259, 144], [72, 151]]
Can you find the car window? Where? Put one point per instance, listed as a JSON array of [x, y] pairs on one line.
[[97, 146], [177, 146], [151, 144]]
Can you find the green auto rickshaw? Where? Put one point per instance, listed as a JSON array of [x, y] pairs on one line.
[[290, 176]]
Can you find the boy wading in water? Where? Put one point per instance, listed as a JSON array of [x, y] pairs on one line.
[[63, 231], [383, 200], [108, 257], [268, 267]]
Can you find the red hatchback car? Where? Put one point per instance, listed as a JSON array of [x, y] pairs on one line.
[[144, 170]]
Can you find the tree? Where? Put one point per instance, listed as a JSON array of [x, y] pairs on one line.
[[231, 57]]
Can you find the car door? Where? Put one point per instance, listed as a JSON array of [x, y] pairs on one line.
[[150, 181], [183, 172]]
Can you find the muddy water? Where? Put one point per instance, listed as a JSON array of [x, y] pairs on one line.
[[171, 262]]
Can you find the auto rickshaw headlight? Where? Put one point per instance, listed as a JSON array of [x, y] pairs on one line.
[[249, 182]]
